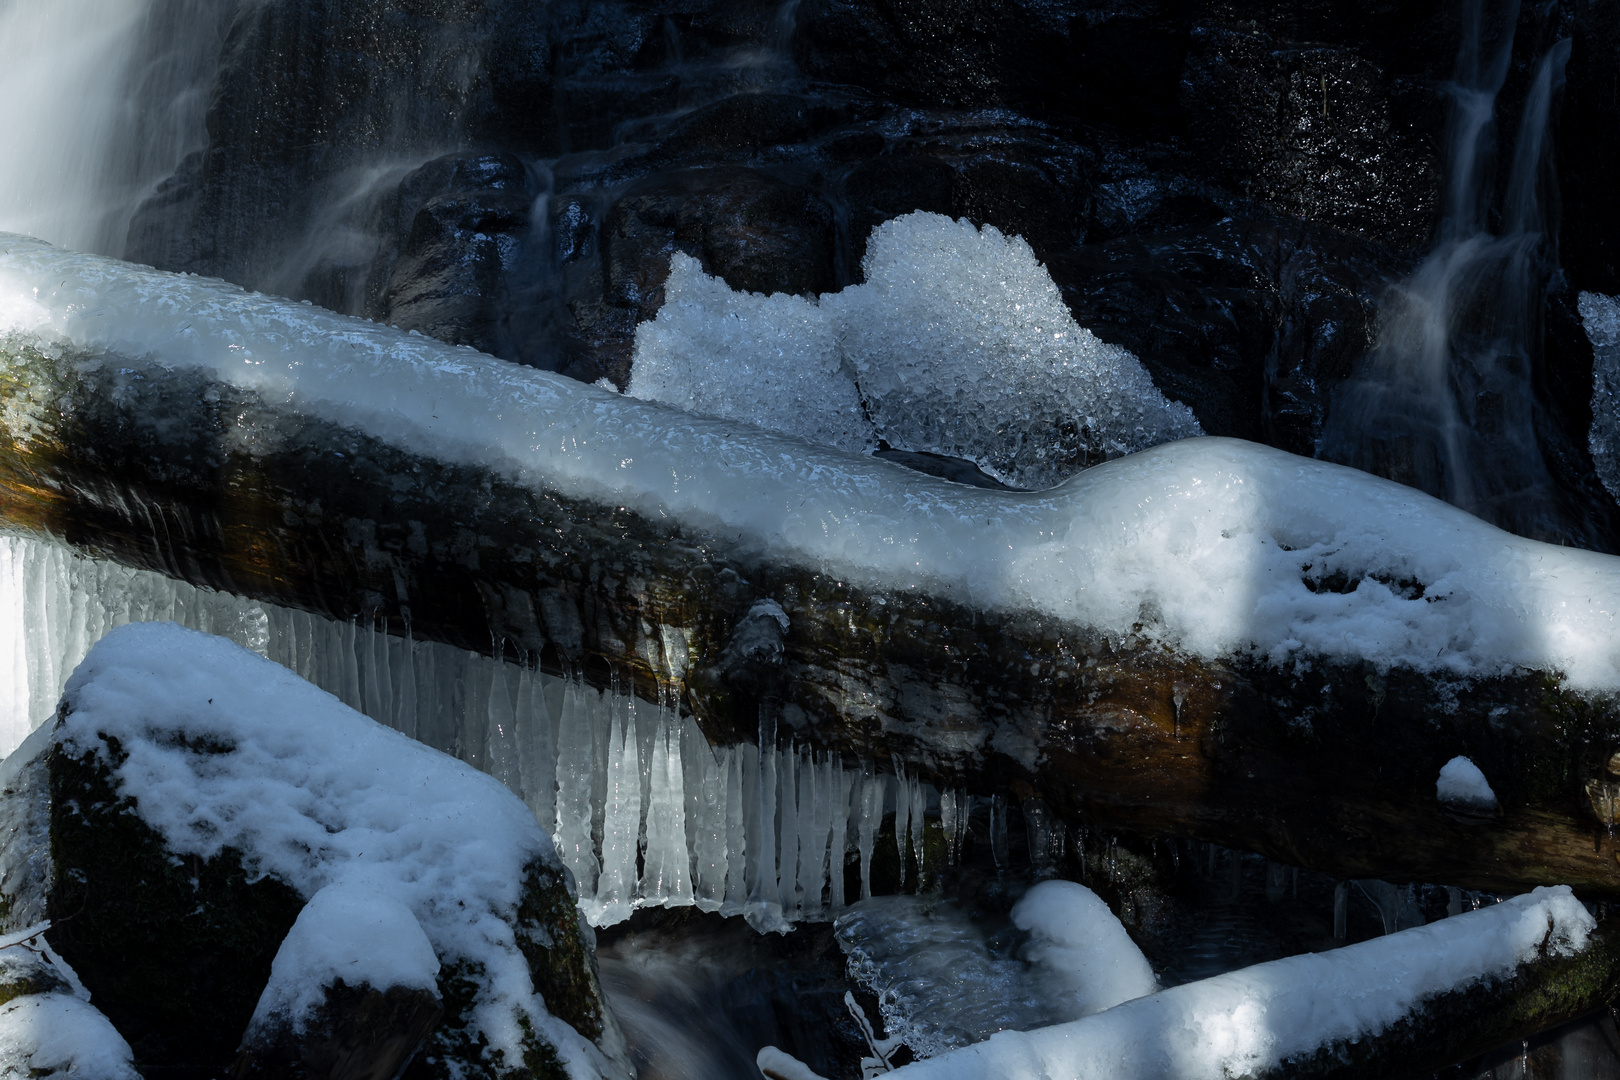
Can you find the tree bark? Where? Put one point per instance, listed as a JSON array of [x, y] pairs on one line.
[[1332, 768]]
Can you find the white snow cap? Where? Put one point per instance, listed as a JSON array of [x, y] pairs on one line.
[[1257, 1017], [60, 1035], [1214, 547], [1462, 784], [314, 793], [958, 343], [1082, 946], [350, 933]]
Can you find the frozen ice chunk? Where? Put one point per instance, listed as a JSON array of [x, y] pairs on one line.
[[1082, 947], [1461, 784], [769, 360], [1600, 315], [963, 346], [958, 344], [349, 932]]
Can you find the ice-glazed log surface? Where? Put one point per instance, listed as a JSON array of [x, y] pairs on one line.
[[1211, 546]]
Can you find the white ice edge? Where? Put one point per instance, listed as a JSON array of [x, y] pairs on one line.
[[1202, 542], [1257, 1017]]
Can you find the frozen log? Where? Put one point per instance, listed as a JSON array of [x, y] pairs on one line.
[[1404, 1005], [1208, 639]]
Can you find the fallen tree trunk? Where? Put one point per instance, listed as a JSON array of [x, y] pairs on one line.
[[1331, 766]]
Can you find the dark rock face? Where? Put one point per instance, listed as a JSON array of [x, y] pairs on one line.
[[1226, 187], [359, 1033]]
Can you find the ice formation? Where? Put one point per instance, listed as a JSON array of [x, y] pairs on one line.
[[1258, 1017], [1461, 784], [958, 343], [767, 360], [1211, 546], [446, 842], [1600, 315], [1082, 947], [606, 774], [350, 932]]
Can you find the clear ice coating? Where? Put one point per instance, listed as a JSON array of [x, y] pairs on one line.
[[642, 810], [958, 343]]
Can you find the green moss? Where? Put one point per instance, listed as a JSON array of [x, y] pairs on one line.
[[561, 963]]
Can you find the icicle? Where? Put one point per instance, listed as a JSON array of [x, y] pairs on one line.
[[902, 816], [998, 831], [788, 787], [764, 908], [947, 823], [621, 822], [813, 825], [1037, 830], [712, 861], [667, 877], [502, 758], [845, 781], [919, 806], [736, 830], [574, 786], [872, 796], [537, 760]]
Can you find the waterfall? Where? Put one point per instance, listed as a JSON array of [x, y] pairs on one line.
[[103, 99], [1444, 402], [642, 809]]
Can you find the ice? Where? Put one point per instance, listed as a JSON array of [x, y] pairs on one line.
[[1082, 947], [871, 797], [350, 932], [621, 822], [764, 907], [788, 784], [574, 789], [667, 879], [49, 1035], [958, 343], [902, 815], [1600, 315], [1211, 547], [769, 360], [1252, 1019], [1461, 784], [318, 795]]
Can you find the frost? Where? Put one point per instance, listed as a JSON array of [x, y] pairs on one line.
[[958, 343]]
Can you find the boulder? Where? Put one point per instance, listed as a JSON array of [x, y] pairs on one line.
[[197, 808]]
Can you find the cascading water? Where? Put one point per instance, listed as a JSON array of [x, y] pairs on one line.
[[1444, 401], [103, 98]]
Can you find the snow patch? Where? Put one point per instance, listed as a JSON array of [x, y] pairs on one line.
[[1462, 784], [349, 933], [1256, 1018], [1083, 946], [62, 1036]]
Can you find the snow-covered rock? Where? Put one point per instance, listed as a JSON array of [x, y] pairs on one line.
[[1461, 785], [202, 796], [48, 1028]]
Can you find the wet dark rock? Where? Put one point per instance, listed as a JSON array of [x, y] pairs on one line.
[[757, 232], [358, 1033], [449, 278], [1588, 149], [956, 470], [1310, 131]]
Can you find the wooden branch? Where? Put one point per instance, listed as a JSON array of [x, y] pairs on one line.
[[1333, 768]]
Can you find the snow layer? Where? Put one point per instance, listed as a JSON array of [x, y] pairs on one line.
[[1212, 546], [58, 1035], [1259, 1017], [1600, 315], [315, 794], [1462, 784], [958, 343], [1083, 946], [351, 934]]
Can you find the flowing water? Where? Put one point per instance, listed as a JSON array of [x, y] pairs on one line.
[[1444, 401]]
